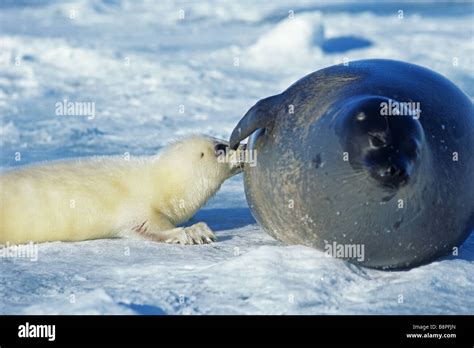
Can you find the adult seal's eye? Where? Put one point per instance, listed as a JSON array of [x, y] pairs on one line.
[[376, 141]]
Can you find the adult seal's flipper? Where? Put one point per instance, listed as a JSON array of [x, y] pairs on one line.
[[259, 116]]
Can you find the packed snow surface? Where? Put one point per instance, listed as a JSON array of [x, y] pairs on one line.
[[160, 70]]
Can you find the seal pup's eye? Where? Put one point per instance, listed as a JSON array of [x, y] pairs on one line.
[[202, 154]]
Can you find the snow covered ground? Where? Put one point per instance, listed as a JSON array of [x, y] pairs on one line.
[[158, 70]]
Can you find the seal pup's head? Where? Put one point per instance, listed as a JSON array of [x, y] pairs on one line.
[[387, 147], [200, 162], [189, 172]]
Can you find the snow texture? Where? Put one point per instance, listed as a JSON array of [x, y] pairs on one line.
[[154, 76]]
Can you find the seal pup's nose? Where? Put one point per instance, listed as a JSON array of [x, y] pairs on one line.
[[221, 148]]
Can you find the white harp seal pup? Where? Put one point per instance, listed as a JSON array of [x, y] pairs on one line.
[[116, 197]]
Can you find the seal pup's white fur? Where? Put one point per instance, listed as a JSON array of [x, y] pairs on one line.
[[107, 197]]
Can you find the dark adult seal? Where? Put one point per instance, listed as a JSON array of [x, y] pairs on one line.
[[372, 162]]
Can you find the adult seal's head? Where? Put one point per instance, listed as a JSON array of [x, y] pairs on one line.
[[386, 148], [371, 162]]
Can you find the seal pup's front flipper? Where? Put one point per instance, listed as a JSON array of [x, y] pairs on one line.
[[159, 228], [260, 115]]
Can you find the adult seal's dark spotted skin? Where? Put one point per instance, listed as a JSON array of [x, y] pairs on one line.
[[342, 162]]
